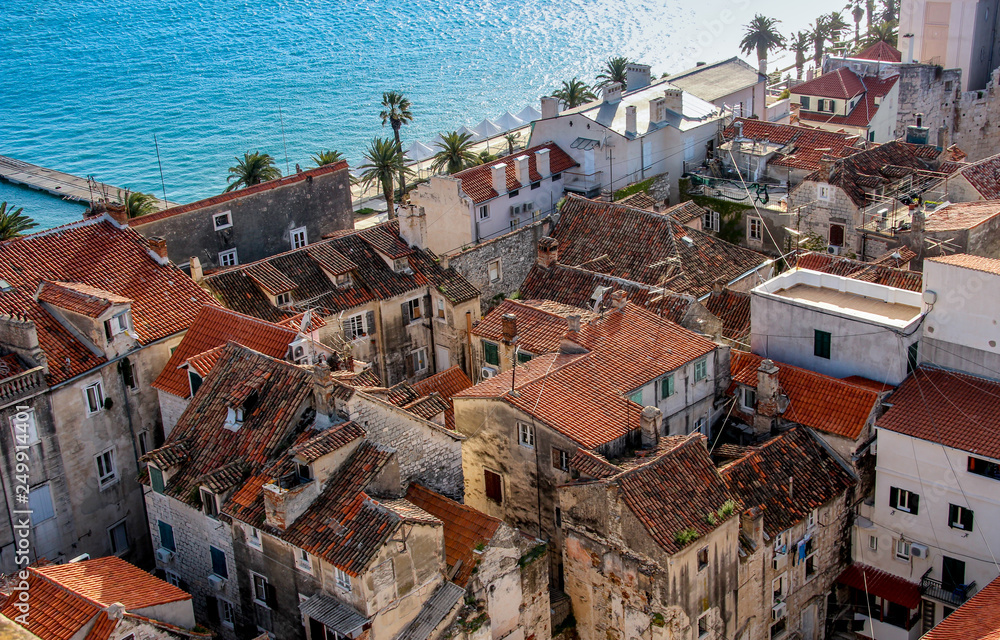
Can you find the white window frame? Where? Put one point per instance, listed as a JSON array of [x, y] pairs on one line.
[[106, 477], [903, 501], [400, 264], [344, 280], [779, 594], [227, 224], [302, 561], [812, 518], [282, 299], [701, 618], [298, 237], [484, 211], [227, 613], [98, 389], [419, 358], [354, 327], [755, 228], [699, 426], [254, 577], [902, 550], [526, 435], [710, 220], [823, 192], [872, 543], [229, 258], [413, 310], [494, 265], [701, 370], [342, 578], [208, 498], [439, 309], [29, 435], [119, 323], [172, 578], [111, 537], [748, 399], [253, 538], [960, 512]]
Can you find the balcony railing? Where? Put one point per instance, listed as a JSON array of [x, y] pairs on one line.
[[955, 595], [587, 183], [21, 385]]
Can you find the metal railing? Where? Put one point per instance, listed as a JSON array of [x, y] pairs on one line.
[[579, 181], [889, 210], [21, 385], [956, 594]]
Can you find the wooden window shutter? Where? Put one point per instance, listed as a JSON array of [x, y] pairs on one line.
[[409, 365], [370, 322], [212, 608], [555, 458], [272, 596], [967, 519], [404, 310], [107, 329], [914, 503], [494, 486], [893, 497], [428, 312]]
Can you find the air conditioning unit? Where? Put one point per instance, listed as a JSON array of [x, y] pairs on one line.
[[778, 611], [918, 550], [164, 555], [217, 582], [488, 372], [833, 250]]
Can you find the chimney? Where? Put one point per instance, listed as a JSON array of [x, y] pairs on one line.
[[521, 170], [412, 225], [719, 286], [825, 167], [499, 173], [674, 99], [618, 299], [509, 327], [631, 128], [650, 423], [908, 58], [917, 218], [768, 401], [118, 213], [157, 247], [612, 92], [700, 64], [548, 251], [573, 323], [115, 611], [550, 107], [542, 164], [197, 273], [637, 76], [322, 386], [657, 113]]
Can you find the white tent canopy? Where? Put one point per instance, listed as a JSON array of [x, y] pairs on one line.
[[508, 121], [472, 132], [487, 128], [436, 143], [419, 151], [529, 114]]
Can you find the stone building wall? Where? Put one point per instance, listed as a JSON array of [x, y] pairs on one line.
[[977, 120], [427, 453], [817, 215], [516, 251]]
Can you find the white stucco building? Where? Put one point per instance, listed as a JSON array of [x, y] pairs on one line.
[[654, 128], [836, 325], [728, 84], [954, 34]]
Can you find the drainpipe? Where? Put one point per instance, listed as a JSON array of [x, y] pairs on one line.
[[131, 431]]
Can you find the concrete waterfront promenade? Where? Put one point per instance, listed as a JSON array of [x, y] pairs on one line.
[[64, 185]]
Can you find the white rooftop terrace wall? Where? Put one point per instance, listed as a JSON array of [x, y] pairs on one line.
[[862, 342]]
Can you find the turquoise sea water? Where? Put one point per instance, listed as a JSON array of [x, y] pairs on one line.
[[85, 84]]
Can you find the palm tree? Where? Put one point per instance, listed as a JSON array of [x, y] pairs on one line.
[[836, 25], [819, 34], [13, 222], [890, 10], [512, 138], [384, 162], [883, 32], [574, 93], [761, 35], [485, 157], [857, 12], [396, 111], [253, 169], [329, 156], [799, 45], [137, 203], [869, 15], [615, 70], [455, 154]]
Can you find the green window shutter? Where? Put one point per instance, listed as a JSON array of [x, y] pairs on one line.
[[523, 356], [967, 519], [219, 562], [914, 503], [636, 397], [821, 344], [166, 536], [491, 353], [156, 479], [893, 497], [667, 386]]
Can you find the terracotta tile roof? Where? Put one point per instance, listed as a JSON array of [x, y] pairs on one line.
[[446, 384], [327, 441], [953, 409], [330, 259], [874, 385], [203, 363], [78, 298], [428, 406], [96, 253], [977, 619], [842, 83], [107, 580], [464, 530], [282, 389], [857, 270], [760, 479], [103, 627], [896, 258], [169, 455], [803, 146], [268, 278], [815, 400], [641, 200], [593, 464], [240, 193], [685, 212], [295, 322], [648, 248], [960, 216], [863, 112], [538, 328], [882, 584], [56, 614], [477, 182], [626, 349], [675, 492], [984, 176], [880, 52], [224, 478], [214, 327], [733, 308], [11, 365], [966, 261], [865, 168], [372, 279]]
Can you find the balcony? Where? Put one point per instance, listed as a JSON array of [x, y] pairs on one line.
[[21, 385], [587, 184], [951, 595]]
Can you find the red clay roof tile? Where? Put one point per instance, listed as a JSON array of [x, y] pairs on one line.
[[880, 52], [882, 584], [842, 83], [966, 261], [803, 146], [477, 182], [977, 619]]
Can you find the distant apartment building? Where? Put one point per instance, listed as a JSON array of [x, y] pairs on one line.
[[253, 223], [952, 34], [91, 311], [381, 301]]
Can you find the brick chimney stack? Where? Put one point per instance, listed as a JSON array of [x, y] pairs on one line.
[[825, 167], [768, 397], [548, 251], [509, 327], [158, 249], [618, 299], [118, 213], [650, 423]]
